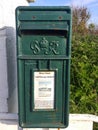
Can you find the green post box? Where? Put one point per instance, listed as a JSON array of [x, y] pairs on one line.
[[43, 59]]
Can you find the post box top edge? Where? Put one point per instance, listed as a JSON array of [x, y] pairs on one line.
[[43, 8]]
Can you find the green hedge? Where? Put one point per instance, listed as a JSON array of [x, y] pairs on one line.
[[84, 75]]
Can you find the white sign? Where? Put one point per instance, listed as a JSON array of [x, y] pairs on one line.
[[44, 90]]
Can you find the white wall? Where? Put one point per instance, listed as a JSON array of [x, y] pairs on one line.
[[7, 11], [8, 72]]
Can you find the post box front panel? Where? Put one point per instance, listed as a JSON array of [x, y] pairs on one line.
[[46, 107]]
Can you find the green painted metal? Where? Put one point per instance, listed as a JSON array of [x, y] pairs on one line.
[[43, 46]]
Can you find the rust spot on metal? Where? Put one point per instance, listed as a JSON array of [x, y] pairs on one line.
[[33, 17], [60, 17]]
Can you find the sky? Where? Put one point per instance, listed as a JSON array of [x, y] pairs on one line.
[[92, 6]]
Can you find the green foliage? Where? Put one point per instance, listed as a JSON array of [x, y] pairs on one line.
[[84, 74], [91, 28], [84, 65], [95, 126]]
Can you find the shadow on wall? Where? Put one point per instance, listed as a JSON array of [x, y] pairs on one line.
[[8, 53], [11, 70]]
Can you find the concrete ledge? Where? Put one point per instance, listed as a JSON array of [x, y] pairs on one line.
[[9, 121], [81, 121], [83, 117]]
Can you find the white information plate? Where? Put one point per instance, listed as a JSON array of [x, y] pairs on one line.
[[44, 89]]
